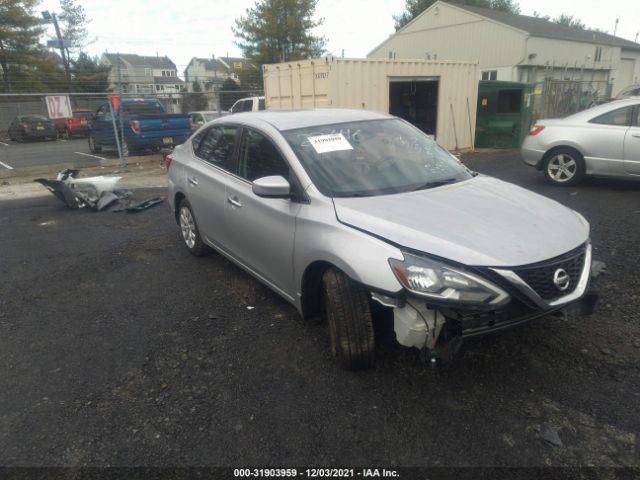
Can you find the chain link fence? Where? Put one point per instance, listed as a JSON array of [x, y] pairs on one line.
[[68, 141], [560, 98], [16, 105]]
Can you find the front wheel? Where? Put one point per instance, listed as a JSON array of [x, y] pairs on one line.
[[564, 166], [350, 324], [189, 229], [93, 146]]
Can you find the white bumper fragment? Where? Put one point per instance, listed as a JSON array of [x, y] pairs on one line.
[[417, 326]]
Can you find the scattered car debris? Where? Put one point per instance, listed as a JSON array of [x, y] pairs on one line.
[[144, 205], [549, 435], [97, 193], [598, 268]]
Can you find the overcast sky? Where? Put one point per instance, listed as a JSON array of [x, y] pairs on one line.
[[200, 28]]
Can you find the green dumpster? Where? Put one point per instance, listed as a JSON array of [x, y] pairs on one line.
[[504, 114]]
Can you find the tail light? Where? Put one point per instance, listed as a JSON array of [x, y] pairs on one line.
[[536, 130], [167, 161], [135, 126], [26, 125]]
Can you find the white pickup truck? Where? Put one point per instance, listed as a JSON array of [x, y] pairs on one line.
[[249, 104]]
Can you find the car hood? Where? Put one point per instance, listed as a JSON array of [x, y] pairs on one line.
[[478, 222]]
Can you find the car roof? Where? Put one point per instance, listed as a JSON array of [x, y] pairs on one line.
[[291, 119], [604, 108], [203, 111]]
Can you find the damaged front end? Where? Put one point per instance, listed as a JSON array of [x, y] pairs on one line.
[[442, 304]]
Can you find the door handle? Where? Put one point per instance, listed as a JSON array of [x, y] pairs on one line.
[[636, 135], [234, 201], [192, 181]]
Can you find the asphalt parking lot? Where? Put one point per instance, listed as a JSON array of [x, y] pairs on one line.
[[117, 347], [17, 155]]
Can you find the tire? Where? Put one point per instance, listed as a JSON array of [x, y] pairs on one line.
[[564, 166], [189, 230], [93, 146], [348, 314]]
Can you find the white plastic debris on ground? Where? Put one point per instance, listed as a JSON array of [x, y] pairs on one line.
[[97, 193]]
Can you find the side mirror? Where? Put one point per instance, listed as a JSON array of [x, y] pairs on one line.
[[272, 187]]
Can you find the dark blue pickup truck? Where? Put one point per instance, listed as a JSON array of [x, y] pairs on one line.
[[146, 125]]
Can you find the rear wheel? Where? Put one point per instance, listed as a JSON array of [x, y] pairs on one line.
[[93, 146], [349, 317], [189, 229], [564, 166]]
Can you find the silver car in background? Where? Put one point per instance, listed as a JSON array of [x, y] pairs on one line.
[[345, 212], [601, 141]]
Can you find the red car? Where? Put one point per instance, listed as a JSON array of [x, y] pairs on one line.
[[77, 126]]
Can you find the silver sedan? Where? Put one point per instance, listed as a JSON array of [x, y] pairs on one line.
[[601, 141], [346, 212]]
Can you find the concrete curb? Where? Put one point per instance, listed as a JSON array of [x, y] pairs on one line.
[[142, 177], [49, 170]]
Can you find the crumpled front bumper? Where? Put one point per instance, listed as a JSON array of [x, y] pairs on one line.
[[419, 324]]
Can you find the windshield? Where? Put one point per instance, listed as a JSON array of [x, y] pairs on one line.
[[210, 116], [374, 157], [142, 108]]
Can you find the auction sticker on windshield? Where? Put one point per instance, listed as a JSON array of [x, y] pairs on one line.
[[333, 142]]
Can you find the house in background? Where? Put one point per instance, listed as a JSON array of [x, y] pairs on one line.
[[515, 48], [142, 74], [211, 73]]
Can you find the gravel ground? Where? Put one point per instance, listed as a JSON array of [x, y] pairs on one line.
[[119, 348]]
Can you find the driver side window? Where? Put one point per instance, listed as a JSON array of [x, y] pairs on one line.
[[260, 158], [103, 113], [237, 107]]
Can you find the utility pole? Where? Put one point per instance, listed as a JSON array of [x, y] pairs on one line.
[[47, 16], [615, 29], [125, 150]]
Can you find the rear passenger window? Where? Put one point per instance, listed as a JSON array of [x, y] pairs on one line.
[[259, 158], [620, 117], [216, 146]]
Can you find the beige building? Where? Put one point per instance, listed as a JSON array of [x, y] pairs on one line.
[[142, 74], [212, 72], [514, 47]]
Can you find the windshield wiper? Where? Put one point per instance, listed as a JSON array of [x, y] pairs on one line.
[[437, 183], [352, 194]]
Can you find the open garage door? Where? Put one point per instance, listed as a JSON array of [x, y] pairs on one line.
[[416, 100]]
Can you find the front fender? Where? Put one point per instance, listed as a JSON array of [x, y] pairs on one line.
[[322, 238]]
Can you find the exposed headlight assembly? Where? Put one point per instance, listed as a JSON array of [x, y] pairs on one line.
[[435, 280]]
